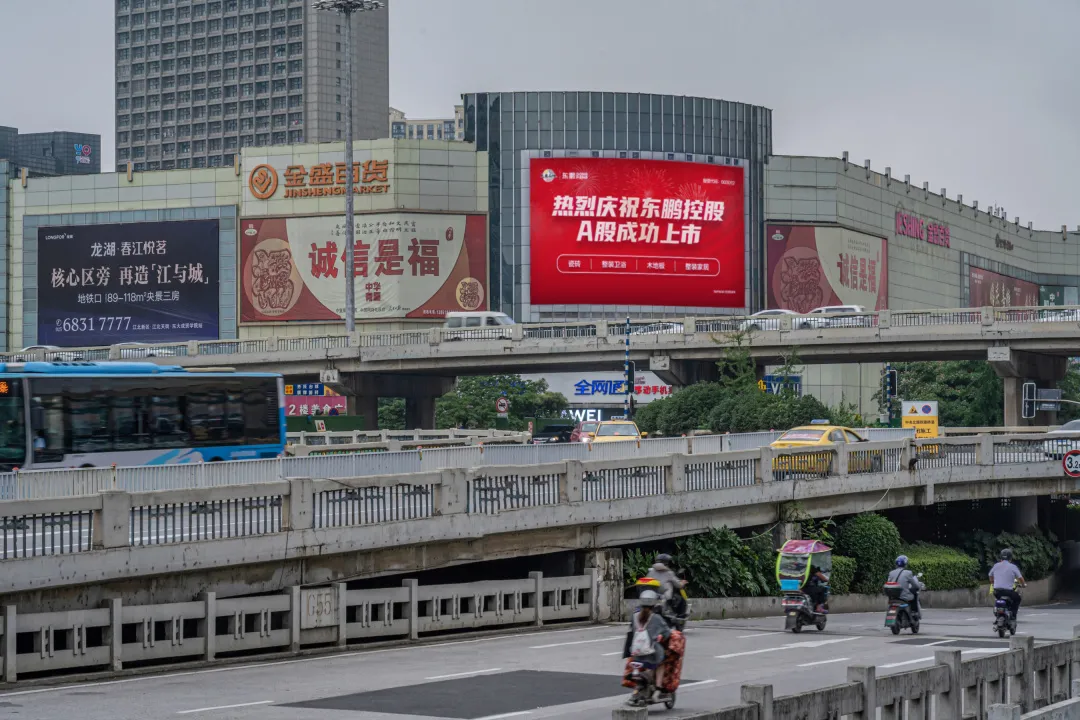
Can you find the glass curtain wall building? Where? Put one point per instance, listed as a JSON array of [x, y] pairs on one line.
[[511, 126]]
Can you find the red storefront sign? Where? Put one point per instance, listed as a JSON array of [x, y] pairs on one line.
[[636, 232], [991, 289]]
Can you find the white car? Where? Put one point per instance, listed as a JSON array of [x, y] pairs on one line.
[[660, 328], [833, 316], [54, 352], [1064, 439], [765, 320]]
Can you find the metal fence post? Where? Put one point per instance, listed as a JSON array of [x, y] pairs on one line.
[[414, 606], [538, 599], [210, 603], [294, 618], [1026, 645], [950, 703], [342, 614], [116, 637], [11, 627], [865, 675], [760, 695]]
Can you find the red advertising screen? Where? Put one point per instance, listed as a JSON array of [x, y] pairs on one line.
[[636, 232], [811, 266], [990, 289]]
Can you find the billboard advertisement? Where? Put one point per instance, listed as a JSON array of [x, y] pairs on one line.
[[990, 289], [636, 232], [405, 265], [136, 282], [810, 266]]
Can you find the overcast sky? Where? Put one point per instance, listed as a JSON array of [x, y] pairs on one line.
[[977, 96]]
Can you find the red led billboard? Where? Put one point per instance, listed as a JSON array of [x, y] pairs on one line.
[[636, 232]]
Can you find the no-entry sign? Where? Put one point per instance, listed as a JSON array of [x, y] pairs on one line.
[[502, 405], [1071, 463]]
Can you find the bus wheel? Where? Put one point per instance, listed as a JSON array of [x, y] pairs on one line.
[[217, 459], [87, 465]]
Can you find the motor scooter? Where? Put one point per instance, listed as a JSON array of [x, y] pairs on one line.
[[645, 692], [900, 614], [794, 564], [1004, 619], [799, 611]]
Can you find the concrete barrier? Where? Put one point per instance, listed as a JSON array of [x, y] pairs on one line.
[[1035, 680], [1038, 592]]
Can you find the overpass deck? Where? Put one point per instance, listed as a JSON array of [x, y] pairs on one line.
[[899, 335]]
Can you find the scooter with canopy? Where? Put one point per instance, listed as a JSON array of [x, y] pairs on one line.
[[797, 563]]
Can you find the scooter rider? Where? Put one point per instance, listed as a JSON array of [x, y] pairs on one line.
[[670, 583], [815, 588], [909, 585], [1004, 575], [648, 634]]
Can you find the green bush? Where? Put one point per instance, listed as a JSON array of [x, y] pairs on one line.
[[636, 564], [688, 409], [873, 542], [719, 564], [1035, 553], [943, 568], [842, 575]]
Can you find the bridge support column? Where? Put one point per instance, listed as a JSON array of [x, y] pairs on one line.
[[419, 391], [368, 407], [1015, 367], [607, 585], [1025, 513], [680, 373]]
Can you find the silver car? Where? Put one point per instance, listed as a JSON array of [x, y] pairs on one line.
[[765, 319], [1062, 440], [834, 316]]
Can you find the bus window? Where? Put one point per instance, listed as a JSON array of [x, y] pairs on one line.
[[12, 424], [130, 424], [167, 422], [234, 417], [50, 433], [90, 424]]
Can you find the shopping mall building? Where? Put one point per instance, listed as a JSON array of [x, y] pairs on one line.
[[558, 206]]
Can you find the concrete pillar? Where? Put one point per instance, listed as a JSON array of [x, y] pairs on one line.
[[420, 412], [112, 526], [1025, 513], [368, 407], [210, 601], [1004, 712], [413, 606], [11, 627], [295, 609], [949, 704], [116, 640], [606, 568], [538, 593], [1014, 395], [298, 508], [760, 695], [782, 532], [1015, 367], [1026, 678], [865, 675], [342, 613]]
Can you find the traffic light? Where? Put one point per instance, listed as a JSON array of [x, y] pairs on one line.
[[1027, 409], [890, 383], [633, 407]]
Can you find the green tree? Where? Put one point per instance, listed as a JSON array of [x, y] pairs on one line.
[[969, 392], [471, 404], [391, 414]]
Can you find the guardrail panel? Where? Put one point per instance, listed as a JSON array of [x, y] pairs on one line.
[[372, 505], [60, 533]]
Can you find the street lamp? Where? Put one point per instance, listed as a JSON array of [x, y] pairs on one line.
[[347, 8]]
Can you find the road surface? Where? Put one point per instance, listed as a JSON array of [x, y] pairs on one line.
[[564, 673]]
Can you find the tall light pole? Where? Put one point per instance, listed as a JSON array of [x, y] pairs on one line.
[[347, 8]]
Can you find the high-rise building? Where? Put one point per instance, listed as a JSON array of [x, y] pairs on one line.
[[51, 153], [196, 80], [405, 128]]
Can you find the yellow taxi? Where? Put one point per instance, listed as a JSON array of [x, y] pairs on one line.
[[821, 435], [616, 431]]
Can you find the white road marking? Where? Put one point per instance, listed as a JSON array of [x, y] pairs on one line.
[[790, 646], [274, 663], [744, 637], [576, 642], [695, 684], [1036, 614], [906, 662], [463, 674], [610, 654], [939, 642], [506, 715], [824, 662], [224, 707], [970, 619]]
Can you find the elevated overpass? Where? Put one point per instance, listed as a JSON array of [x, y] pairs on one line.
[[169, 545]]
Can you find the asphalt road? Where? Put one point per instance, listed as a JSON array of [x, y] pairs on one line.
[[563, 673]]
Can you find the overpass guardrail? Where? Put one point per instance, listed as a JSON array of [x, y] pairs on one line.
[[642, 329], [124, 519], [358, 460]]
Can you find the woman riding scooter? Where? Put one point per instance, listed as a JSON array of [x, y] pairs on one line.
[[645, 645]]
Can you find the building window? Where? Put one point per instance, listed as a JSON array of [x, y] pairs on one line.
[[339, 117], [338, 29]]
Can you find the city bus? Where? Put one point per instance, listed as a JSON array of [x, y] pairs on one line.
[[97, 414]]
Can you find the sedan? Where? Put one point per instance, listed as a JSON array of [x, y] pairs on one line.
[[765, 320], [1062, 440]]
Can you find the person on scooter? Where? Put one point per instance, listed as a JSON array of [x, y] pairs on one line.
[[910, 586], [1004, 575], [670, 583], [648, 635], [815, 588]]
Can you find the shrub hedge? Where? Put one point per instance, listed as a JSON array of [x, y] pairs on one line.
[[842, 575], [873, 542], [943, 568], [1035, 553]]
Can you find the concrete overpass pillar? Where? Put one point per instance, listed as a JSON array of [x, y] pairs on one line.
[[420, 412], [1015, 367], [1025, 513], [368, 407], [419, 391], [607, 589], [680, 373]]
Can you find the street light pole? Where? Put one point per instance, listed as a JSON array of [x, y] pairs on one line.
[[347, 8]]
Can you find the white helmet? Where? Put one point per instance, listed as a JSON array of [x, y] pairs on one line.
[[648, 598]]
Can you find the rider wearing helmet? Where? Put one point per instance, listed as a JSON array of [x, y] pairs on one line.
[[909, 585], [670, 583], [656, 634], [1004, 575]]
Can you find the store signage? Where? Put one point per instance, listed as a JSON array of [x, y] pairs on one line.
[[1003, 244], [587, 387], [773, 384], [913, 226], [321, 180], [300, 405], [82, 154]]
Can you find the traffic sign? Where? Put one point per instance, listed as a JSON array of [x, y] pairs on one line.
[[921, 415], [502, 405], [1071, 463]]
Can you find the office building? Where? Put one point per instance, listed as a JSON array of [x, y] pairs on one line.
[[197, 80], [404, 128], [51, 153]]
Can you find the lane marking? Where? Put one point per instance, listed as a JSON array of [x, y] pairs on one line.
[[463, 674], [764, 634], [970, 619], [790, 646], [275, 663], [695, 684], [823, 662], [939, 642], [506, 715], [224, 707], [1036, 614], [906, 662], [576, 642], [610, 654]]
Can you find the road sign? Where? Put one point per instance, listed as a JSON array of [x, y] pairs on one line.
[[1071, 463], [502, 405], [921, 415]]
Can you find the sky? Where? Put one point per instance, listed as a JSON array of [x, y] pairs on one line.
[[976, 96]]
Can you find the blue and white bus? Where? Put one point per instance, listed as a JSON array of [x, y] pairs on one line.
[[95, 414]]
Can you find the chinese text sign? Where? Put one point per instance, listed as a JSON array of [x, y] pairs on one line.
[[138, 282], [990, 289], [404, 265], [636, 232]]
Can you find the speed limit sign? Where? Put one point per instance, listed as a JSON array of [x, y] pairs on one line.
[[1071, 463]]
